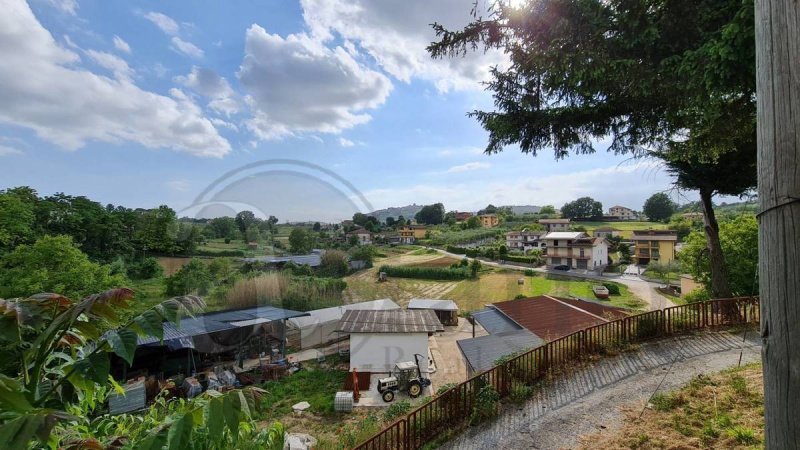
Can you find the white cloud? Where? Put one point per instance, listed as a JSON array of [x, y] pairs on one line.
[[187, 48], [224, 124], [455, 151], [116, 65], [396, 34], [121, 45], [6, 150], [164, 22], [346, 142], [297, 85], [44, 89], [67, 6], [208, 83], [469, 166]]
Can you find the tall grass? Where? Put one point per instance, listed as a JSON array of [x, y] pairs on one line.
[[285, 291], [427, 273]]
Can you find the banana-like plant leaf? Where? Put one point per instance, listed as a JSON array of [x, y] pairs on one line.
[[150, 323], [123, 343], [180, 433], [154, 441], [231, 408], [87, 329], [214, 419], [18, 433], [89, 370], [12, 396]]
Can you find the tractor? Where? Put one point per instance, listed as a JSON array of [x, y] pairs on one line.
[[406, 377]]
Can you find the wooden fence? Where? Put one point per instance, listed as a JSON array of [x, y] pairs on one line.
[[452, 408]]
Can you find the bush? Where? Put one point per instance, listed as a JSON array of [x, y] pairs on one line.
[[192, 278], [520, 392], [145, 269], [696, 296], [426, 273], [283, 290], [396, 410], [528, 272], [485, 406], [334, 263], [613, 288], [228, 253]]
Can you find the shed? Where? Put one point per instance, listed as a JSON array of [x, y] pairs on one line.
[[482, 352], [445, 310], [319, 327], [381, 339]]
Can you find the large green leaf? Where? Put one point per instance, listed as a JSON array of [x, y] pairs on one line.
[[12, 396], [18, 433], [214, 419], [123, 343], [89, 370], [154, 441], [180, 433], [150, 323], [231, 408]]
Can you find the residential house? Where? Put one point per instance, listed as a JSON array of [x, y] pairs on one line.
[[524, 324], [606, 232], [410, 233], [525, 240], [576, 250], [463, 216], [362, 234], [654, 245], [489, 220], [381, 339], [552, 225], [623, 213]]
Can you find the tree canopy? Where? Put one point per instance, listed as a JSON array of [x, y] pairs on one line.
[[300, 240], [582, 208], [431, 214], [659, 207]]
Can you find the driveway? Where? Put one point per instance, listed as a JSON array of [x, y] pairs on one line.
[[590, 399], [450, 367], [645, 290]]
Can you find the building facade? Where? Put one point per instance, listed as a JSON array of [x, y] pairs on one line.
[[463, 216], [606, 232], [554, 225], [489, 220], [576, 250], [410, 233], [623, 213], [525, 240], [654, 245]]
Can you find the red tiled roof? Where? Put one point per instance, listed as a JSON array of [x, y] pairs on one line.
[[551, 318]]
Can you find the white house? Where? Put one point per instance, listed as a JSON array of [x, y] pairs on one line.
[[319, 327], [552, 225], [576, 250], [364, 236], [381, 339], [623, 213], [524, 240]]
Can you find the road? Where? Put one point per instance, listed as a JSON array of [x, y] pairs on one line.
[[645, 290], [590, 399]]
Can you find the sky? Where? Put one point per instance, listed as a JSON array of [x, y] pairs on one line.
[[306, 110]]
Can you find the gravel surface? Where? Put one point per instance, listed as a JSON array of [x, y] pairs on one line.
[[590, 399]]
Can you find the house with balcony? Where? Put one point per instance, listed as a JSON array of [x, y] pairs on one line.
[[410, 233], [555, 225], [576, 250], [489, 220], [654, 245], [606, 232], [525, 240], [623, 213]]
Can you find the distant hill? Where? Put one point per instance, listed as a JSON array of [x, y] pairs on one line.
[[408, 212], [524, 209]]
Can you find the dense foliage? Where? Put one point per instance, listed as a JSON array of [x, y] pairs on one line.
[[427, 273], [431, 214], [659, 207], [582, 208]]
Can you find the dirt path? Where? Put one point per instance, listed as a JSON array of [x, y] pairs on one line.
[[589, 400]]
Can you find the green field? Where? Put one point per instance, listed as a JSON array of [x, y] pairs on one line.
[[623, 225]]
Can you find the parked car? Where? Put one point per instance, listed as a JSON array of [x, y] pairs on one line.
[[561, 267]]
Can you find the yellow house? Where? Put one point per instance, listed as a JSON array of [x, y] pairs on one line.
[[410, 233], [489, 220], [654, 245]]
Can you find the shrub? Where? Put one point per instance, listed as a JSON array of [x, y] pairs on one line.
[[647, 327], [696, 296], [613, 288], [520, 392], [396, 410], [192, 278], [145, 269], [426, 273], [528, 272], [228, 253], [485, 406], [334, 263]]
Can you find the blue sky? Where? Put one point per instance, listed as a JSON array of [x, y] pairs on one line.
[[146, 103]]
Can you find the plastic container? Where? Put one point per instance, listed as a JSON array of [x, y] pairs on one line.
[[343, 401]]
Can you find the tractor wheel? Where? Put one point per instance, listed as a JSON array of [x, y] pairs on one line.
[[414, 389], [388, 396]]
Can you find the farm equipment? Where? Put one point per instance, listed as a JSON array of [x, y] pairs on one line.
[[406, 377]]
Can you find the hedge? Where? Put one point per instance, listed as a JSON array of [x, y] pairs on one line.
[[426, 273], [220, 253], [523, 259]]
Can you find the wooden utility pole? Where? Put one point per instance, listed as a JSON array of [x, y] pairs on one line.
[[778, 91]]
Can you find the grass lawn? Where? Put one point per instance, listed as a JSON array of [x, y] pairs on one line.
[[315, 385], [623, 225], [502, 285], [722, 411]]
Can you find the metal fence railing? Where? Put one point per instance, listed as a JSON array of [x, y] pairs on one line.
[[453, 407]]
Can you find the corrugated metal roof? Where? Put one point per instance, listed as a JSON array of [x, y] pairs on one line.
[[219, 321], [494, 321], [481, 352], [335, 313], [429, 303], [312, 260], [400, 321]]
